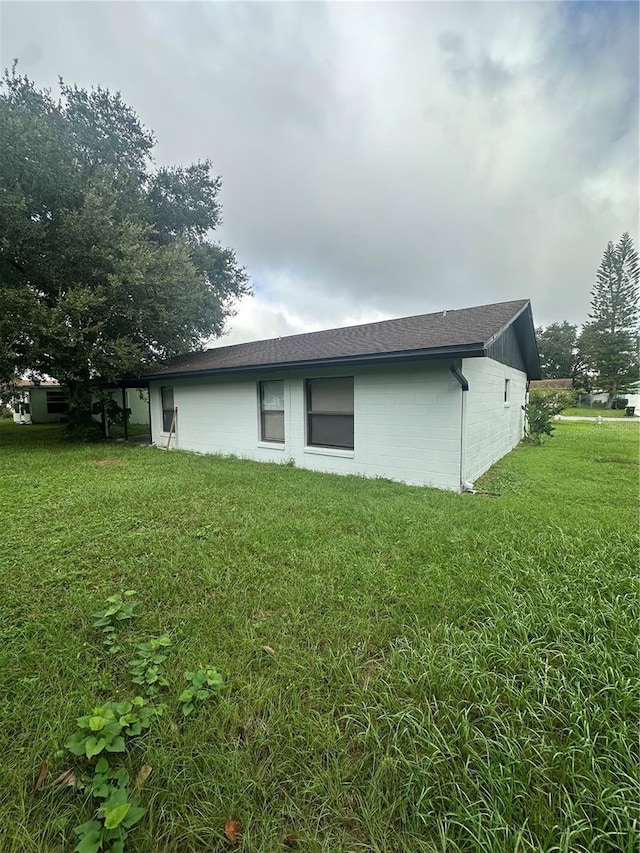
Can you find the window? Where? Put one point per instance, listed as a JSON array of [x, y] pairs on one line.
[[272, 410], [57, 402], [330, 412], [167, 408], [506, 391]]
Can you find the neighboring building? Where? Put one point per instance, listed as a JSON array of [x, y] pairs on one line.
[[47, 402], [39, 402], [633, 398], [600, 398], [434, 399], [135, 400]]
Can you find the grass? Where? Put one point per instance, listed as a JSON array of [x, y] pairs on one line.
[[586, 412], [449, 672], [117, 431]]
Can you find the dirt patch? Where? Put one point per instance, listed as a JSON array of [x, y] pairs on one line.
[[110, 461]]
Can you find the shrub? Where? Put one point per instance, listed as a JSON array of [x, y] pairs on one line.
[[537, 421], [555, 399], [80, 426], [541, 408]]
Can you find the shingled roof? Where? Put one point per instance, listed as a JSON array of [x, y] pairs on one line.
[[462, 333]]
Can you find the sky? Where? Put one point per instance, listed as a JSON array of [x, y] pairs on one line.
[[378, 159]]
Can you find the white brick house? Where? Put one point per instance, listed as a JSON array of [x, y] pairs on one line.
[[429, 400]]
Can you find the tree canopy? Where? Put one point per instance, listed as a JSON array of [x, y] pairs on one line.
[[559, 357], [106, 263]]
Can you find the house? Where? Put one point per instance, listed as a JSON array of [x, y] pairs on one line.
[[433, 399], [46, 401], [43, 402]]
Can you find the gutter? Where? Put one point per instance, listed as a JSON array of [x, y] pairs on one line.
[[464, 351], [464, 384]]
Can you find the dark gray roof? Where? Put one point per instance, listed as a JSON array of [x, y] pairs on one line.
[[462, 333]]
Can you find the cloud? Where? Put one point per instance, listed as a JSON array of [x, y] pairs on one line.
[[379, 159]]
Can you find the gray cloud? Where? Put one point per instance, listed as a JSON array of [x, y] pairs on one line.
[[379, 159]]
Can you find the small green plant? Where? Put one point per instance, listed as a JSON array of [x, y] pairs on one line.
[[204, 683], [115, 816], [106, 779], [105, 730], [119, 608], [147, 669], [108, 725]]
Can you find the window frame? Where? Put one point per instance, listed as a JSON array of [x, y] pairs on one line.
[[507, 391], [310, 413], [57, 401], [166, 429], [262, 412]]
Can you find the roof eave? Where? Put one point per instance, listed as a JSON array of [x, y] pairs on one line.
[[463, 351], [528, 347]]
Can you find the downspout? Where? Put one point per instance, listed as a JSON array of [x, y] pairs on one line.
[[464, 384]]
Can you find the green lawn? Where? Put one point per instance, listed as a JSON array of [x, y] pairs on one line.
[[445, 672], [586, 412], [117, 431]]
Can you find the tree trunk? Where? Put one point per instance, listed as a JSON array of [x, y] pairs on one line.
[[81, 425]]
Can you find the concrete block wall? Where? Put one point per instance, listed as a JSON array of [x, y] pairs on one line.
[[406, 422], [493, 427], [39, 408]]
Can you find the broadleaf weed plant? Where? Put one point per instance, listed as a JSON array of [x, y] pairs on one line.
[[120, 608], [147, 668], [108, 725], [204, 683], [106, 730]]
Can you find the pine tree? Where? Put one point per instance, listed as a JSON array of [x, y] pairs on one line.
[[609, 341], [614, 303]]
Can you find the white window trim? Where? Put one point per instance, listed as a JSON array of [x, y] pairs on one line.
[[329, 451], [262, 442], [321, 449]]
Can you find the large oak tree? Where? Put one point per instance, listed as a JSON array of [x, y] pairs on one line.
[[559, 357], [106, 263]]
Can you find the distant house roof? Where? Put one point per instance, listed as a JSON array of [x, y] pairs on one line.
[[550, 383], [26, 383], [446, 334]]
